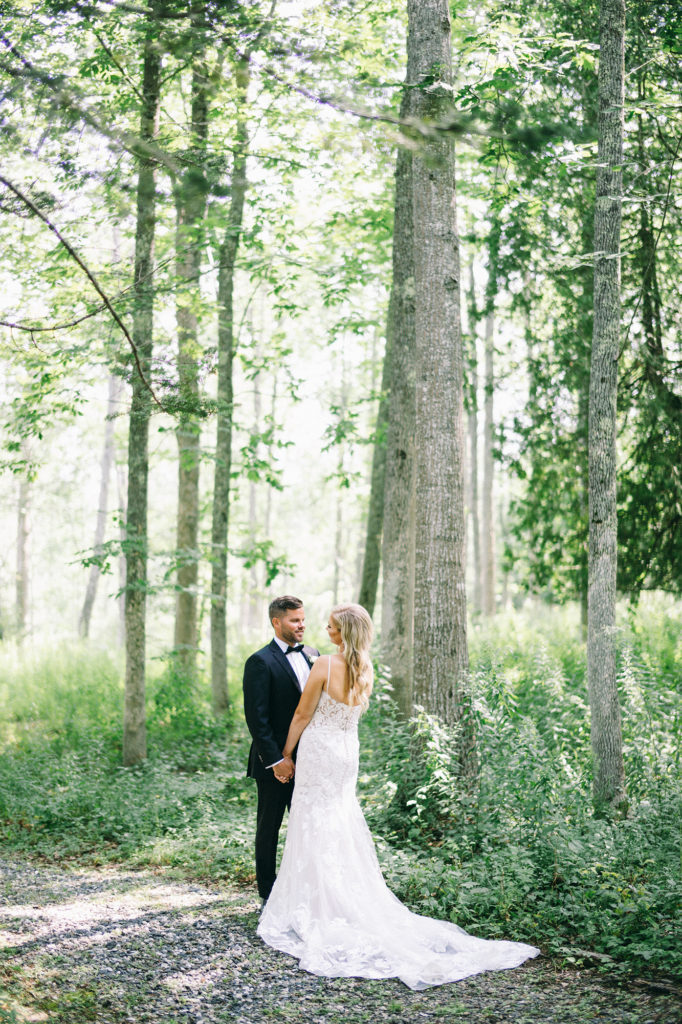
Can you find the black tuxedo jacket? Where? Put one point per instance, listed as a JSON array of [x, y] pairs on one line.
[[271, 695]]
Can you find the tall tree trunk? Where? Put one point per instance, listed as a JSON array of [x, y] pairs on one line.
[[607, 747], [583, 486], [223, 455], [371, 562], [584, 335], [472, 424], [22, 573], [253, 605], [190, 204], [102, 506], [488, 519], [668, 400], [134, 719], [399, 497], [440, 648]]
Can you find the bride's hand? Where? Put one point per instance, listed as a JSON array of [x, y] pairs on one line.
[[284, 771]]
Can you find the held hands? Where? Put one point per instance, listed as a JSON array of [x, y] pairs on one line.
[[284, 771]]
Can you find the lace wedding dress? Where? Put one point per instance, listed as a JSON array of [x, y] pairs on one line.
[[330, 906]]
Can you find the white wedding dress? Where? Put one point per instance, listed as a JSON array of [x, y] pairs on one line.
[[330, 906]]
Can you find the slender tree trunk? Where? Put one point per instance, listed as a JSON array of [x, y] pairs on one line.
[[584, 337], [583, 491], [22, 573], [223, 456], [371, 562], [190, 204], [607, 747], [134, 720], [253, 606], [399, 495], [102, 506], [668, 399], [440, 648], [472, 423], [488, 519]]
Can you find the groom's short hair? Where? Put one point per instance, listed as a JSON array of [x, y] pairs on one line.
[[280, 605]]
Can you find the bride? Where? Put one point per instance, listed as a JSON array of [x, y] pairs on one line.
[[330, 906]]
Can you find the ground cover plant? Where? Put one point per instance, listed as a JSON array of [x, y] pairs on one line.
[[522, 857]]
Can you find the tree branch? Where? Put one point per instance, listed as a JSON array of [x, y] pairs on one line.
[[88, 273], [66, 98], [53, 327], [666, 206], [116, 62]]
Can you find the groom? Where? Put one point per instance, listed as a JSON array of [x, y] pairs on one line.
[[274, 678]]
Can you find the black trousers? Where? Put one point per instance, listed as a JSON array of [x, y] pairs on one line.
[[273, 798]]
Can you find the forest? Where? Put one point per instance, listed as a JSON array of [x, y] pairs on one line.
[[356, 301]]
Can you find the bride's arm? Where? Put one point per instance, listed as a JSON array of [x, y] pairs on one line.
[[306, 707]]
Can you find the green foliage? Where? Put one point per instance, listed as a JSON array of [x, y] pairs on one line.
[[60, 697], [63, 792], [524, 857], [261, 552], [520, 857]]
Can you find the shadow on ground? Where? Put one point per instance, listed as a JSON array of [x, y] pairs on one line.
[[117, 947]]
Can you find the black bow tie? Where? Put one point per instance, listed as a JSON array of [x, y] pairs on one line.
[[297, 648]]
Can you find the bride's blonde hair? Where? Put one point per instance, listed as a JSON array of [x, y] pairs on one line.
[[355, 625]]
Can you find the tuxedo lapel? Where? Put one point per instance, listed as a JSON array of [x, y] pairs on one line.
[[282, 659], [308, 653]]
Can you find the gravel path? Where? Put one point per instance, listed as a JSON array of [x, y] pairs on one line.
[[123, 947]]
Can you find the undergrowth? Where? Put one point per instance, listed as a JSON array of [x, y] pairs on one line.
[[520, 856]]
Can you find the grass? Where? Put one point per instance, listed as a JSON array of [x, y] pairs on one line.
[[523, 857]]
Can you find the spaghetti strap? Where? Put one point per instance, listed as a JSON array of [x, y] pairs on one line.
[[329, 669]]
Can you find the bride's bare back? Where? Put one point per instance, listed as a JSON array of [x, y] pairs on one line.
[[337, 687]]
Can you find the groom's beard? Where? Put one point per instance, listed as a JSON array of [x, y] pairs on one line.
[[291, 637]]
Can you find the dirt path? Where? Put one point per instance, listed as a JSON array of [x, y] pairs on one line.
[[122, 947]]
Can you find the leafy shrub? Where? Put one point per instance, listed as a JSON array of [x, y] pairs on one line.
[[524, 857]]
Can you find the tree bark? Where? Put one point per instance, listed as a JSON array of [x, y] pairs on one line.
[[223, 454], [267, 519], [585, 333], [654, 356], [253, 606], [440, 648], [472, 424], [607, 747], [582, 469], [371, 563], [398, 521], [488, 573], [134, 720], [102, 505], [190, 203]]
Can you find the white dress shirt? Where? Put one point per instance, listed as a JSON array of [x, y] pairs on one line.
[[301, 669], [297, 662]]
